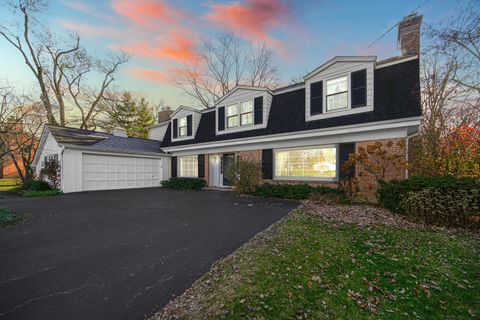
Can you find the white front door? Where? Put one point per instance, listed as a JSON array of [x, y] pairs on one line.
[[105, 172], [214, 170]]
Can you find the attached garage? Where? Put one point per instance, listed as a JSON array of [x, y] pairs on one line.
[[92, 160], [103, 172]]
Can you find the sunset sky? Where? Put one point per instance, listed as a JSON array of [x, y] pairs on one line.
[[160, 35]]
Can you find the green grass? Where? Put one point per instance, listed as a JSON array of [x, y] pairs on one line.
[[305, 268], [7, 217], [8, 183]]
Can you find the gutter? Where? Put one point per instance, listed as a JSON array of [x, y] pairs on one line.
[[369, 126], [113, 151]]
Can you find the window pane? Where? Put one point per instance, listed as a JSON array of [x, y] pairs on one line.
[[188, 166], [232, 121], [315, 162], [337, 85], [337, 101], [246, 119], [232, 110], [182, 131], [182, 122], [246, 106]]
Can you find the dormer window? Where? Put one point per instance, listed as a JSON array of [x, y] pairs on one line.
[[337, 94], [232, 116], [243, 109], [246, 113], [240, 114], [182, 127]]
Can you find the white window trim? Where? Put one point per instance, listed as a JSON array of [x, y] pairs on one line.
[[179, 169], [187, 137], [303, 178], [324, 98], [239, 115], [341, 112]]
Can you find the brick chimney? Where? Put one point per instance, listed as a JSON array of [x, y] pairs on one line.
[[409, 34], [164, 114]]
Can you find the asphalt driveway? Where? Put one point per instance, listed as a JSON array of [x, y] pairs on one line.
[[119, 254]]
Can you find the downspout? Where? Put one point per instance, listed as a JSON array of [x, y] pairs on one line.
[[62, 168], [407, 149]]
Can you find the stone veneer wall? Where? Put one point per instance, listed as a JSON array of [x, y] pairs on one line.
[[367, 183]]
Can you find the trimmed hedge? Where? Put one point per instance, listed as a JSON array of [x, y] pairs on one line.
[[391, 193], [184, 183], [292, 191], [43, 193], [36, 185], [443, 207]]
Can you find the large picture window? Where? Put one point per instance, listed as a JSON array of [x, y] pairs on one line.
[[315, 162], [337, 94], [188, 166]]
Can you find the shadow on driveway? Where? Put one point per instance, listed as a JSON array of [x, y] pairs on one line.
[[119, 254]]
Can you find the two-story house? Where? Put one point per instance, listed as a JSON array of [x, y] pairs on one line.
[[300, 133]]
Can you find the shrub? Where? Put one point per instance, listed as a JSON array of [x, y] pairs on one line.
[[245, 174], [51, 170], [43, 193], [444, 207], [36, 185], [184, 183], [390, 193], [291, 191]]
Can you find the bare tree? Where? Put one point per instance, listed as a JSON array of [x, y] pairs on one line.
[[61, 71], [224, 62], [458, 38], [450, 75], [20, 126]]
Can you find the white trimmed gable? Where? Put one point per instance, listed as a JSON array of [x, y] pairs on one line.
[[340, 67], [241, 94], [182, 112]]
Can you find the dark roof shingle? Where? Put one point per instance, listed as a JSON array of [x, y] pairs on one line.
[[102, 141]]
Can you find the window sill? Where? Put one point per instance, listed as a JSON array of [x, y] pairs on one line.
[[241, 128], [306, 179], [339, 113]]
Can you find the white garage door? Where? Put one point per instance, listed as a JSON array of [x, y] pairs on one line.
[[103, 172]]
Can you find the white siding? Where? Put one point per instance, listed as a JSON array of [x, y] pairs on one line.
[[338, 69], [241, 95], [72, 171], [50, 147], [158, 132]]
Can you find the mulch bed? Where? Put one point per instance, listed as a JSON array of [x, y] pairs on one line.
[[361, 214]]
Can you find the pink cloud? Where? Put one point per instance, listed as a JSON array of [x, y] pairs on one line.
[[84, 29], [149, 74], [251, 18], [146, 13], [175, 45]]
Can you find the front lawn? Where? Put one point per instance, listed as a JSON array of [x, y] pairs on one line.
[[304, 267]]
